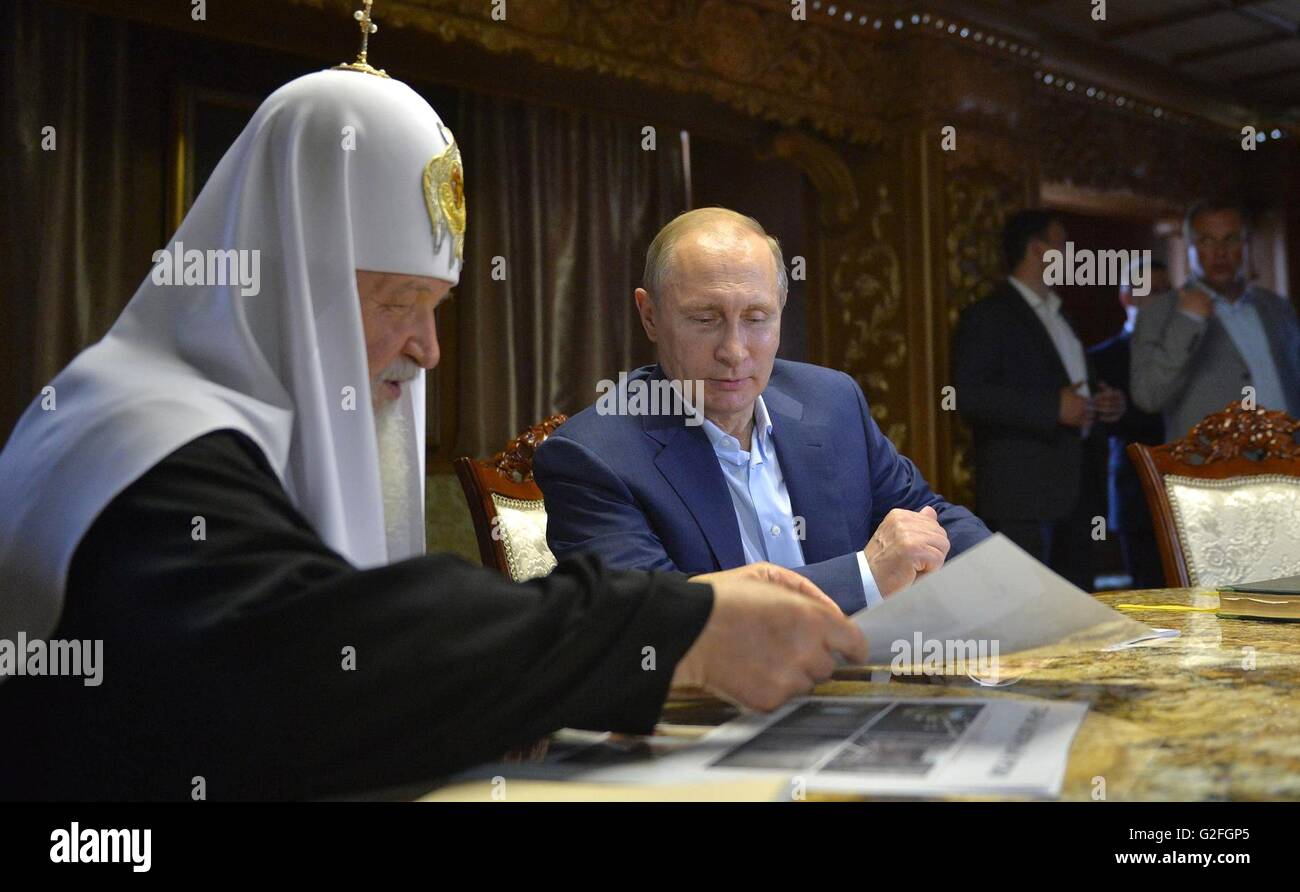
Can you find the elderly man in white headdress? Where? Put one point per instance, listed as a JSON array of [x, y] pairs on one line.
[[208, 493]]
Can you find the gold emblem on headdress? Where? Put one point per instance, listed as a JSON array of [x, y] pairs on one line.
[[444, 194]]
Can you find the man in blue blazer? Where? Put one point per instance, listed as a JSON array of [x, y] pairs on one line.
[[783, 464]]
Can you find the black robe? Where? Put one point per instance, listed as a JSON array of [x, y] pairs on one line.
[[223, 658]]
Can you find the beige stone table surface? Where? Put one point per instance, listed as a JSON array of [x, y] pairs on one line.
[[1213, 714]]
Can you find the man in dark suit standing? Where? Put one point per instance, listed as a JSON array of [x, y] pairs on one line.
[[1024, 385], [1129, 516]]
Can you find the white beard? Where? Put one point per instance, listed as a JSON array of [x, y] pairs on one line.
[[397, 477]]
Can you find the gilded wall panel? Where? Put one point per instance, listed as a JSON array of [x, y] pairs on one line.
[[982, 187]]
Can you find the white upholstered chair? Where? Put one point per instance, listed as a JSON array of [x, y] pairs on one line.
[[1225, 499]]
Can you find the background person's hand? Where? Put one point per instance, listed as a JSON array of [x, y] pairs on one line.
[[907, 544], [763, 571], [1075, 410], [1195, 300], [764, 644], [1110, 403]]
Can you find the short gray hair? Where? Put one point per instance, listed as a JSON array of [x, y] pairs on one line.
[[658, 258]]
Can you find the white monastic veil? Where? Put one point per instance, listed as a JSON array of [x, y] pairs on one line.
[[328, 177]]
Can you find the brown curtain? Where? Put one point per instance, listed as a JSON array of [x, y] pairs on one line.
[[81, 221], [570, 201]]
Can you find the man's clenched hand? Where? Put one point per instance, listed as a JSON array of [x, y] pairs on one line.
[[906, 545]]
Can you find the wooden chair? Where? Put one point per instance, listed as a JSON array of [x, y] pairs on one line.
[[506, 505], [1225, 499]]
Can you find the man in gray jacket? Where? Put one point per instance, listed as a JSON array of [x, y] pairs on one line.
[[1200, 348]]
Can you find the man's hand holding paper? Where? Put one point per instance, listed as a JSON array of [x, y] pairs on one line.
[[771, 635], [765, 571]]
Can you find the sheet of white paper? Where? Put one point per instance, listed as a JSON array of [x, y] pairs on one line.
[[1156, 637], [995, 594]]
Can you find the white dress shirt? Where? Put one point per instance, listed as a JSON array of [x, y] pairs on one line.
[[1063, 336], [762, 502], [1245, 329]]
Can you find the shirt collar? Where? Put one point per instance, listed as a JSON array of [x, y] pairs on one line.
[[1051, 303], [1130, 319], [727, 447], [1247, 295], [1223, 305]]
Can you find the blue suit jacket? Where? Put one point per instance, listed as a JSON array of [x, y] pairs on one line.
[[646, 492]]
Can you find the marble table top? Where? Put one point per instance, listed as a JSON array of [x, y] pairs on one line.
[[1213, 714]]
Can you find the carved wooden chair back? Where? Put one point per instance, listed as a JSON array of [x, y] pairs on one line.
[[1225, 499], [506, 505]]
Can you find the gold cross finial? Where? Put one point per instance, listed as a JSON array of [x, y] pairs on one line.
[[367, 28]]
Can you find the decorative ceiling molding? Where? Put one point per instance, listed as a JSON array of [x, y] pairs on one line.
[[749, 55], [1090, 56], [841, 70]]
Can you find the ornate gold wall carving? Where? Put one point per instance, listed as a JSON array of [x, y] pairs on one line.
[[1084, 144], [857, 283], [866, 294], [837, 193], [977, 203], [981, 189], [1075, 139], [749, 55]]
